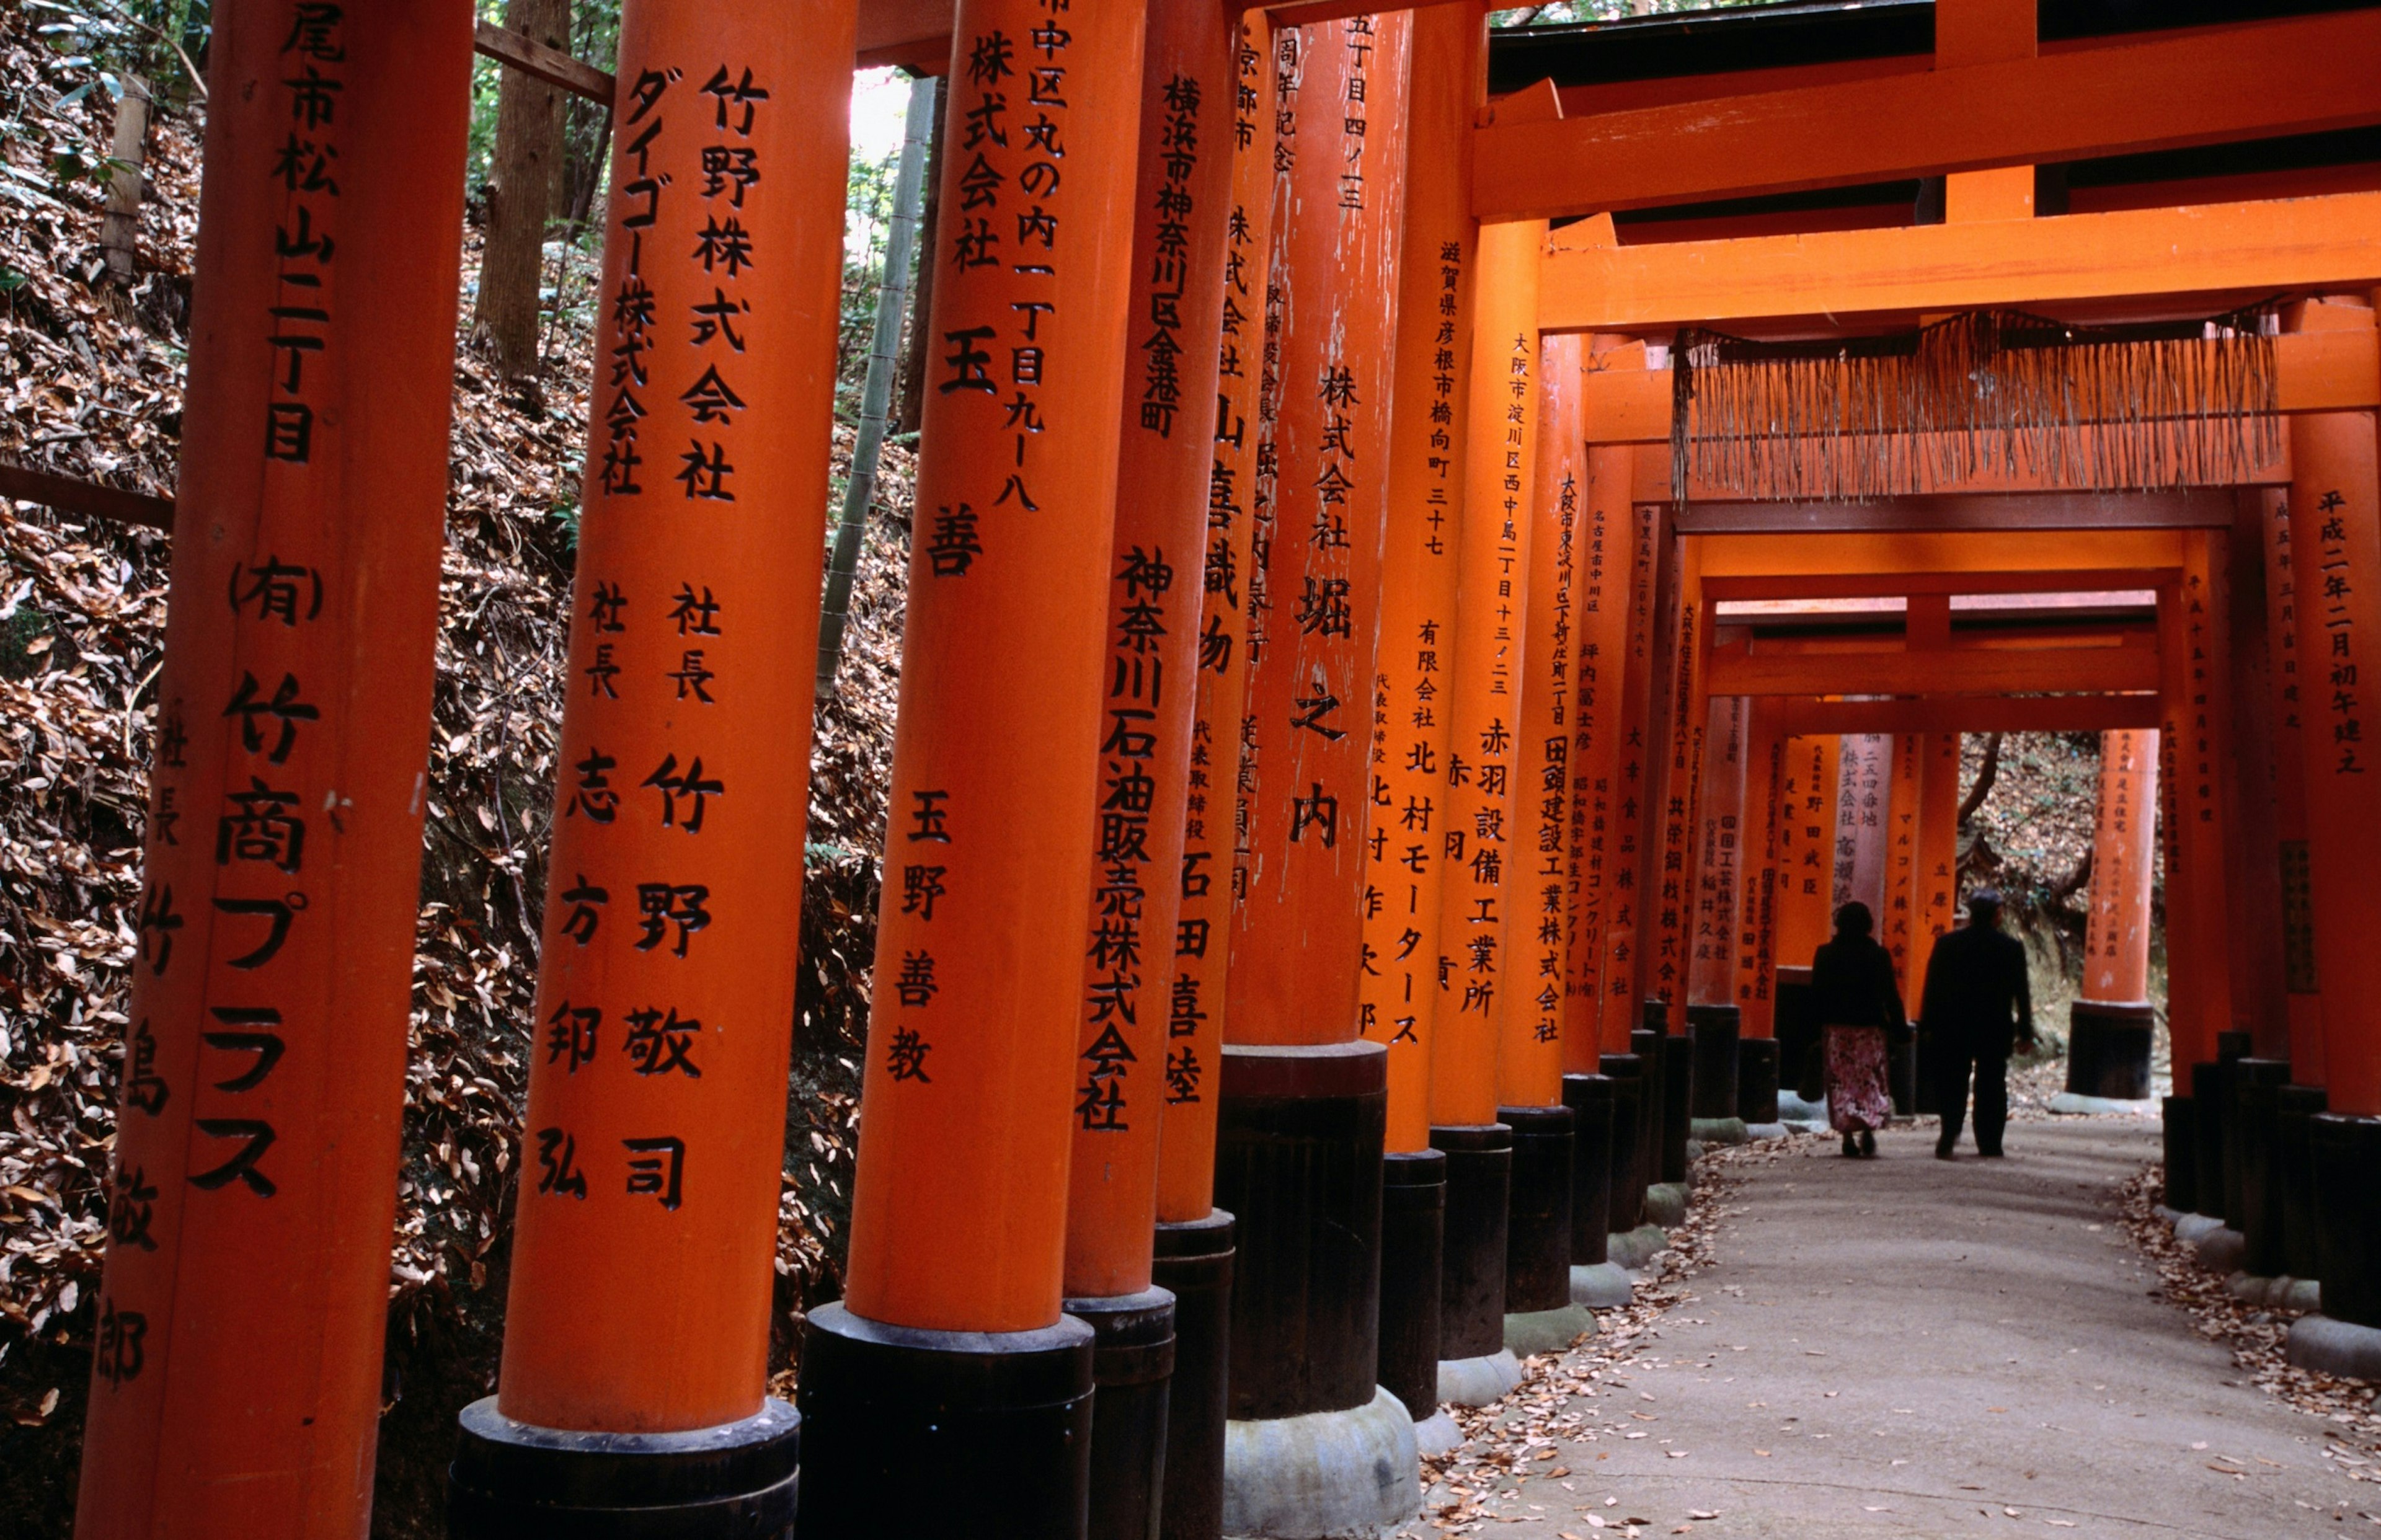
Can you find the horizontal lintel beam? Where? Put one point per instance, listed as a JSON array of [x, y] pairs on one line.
[[1974, 714], [1953, 671], [2270, 246], [1947, 561], [2209, 509], [1879, 583], [2252, 81]]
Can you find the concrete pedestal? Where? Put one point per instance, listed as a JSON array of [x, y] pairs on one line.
[[1321, 1476]]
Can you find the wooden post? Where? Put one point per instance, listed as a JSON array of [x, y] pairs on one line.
[[1807, 846], [1867, 771], [1304, 1097], [119, 227], [1494, 540], [2301, 981], [1685, 718], [1195, 1238], [2254, 876], [953, 1290], [2117, 935], [1765, 817], [1398, 999], [655, 1136], [235, 1376], [1896, 924], [1938, 858], [1719, 844], [2191, 746]]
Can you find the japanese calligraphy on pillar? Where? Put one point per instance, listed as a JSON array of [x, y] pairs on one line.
[[664, 1000], [2299, 976], [1623, 804], [1309, 685], [1902, 851], [1712, 963], [1666, 973], [1538, 925], [262, 1080]]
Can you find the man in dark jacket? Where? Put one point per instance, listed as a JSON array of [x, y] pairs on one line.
[[1977, 1008]]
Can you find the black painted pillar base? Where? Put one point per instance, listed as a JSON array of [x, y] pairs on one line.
[[1538, 1212], [1589, 1098], [1901, 1074], [2348, 1216], [1413, 1209], [2181, 1130], [1297, 1161], [2294, 1114], [2232, 1048], [1646, 1043], [1756, 1080], [1923, 1052], [1627, 1200], [2261, 1081], [1194, 1264], [1472, 1266], [1715, 1032], [1678, 1106], [2208, 1099], [1132, 1368], [511, 1481], [1790, 1016], [1003, 1419], [2108, 1049]]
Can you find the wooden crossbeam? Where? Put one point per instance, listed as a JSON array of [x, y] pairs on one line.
[[2205, 509], [2205, 86], [1952, 671], [550, 65], [2315, 371], [2267, 246], [68, 494], [1974, 714], [1766, 566]]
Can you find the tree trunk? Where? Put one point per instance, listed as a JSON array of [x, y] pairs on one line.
[[913, 369], [521, 192], [1990, 773], [119, 229]]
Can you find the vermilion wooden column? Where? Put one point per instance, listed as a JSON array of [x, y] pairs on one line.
[[1765, 819], [1479, 845], [2301, 983], [1298, 1157], [1663, 963], [1126, 1068], [1711, 963], [948, 1353], [2117, 935], [1938, 855], [2336, 544], [2192, 748], [655, 1128], [1898, 923], [237, 1370], [1400, 995], [1806, 880], [1194, 1240], [1618, 648], [1860, 837]]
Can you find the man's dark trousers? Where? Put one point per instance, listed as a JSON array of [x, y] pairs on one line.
[[1958, 1061]]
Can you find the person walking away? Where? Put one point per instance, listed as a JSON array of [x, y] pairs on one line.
[[1976, 1009], [1858, 1005]]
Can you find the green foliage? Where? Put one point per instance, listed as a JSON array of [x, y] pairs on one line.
[[149, 38], [868, 216]]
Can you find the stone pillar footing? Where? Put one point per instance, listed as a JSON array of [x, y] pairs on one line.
[[1194, 1263], [1479, 1380], [511, 1481], [1604, 1286], [1635, 1249], [1322, 1476], [1532, 1332], [1003, 1419], [1132, 1368], [1472, 1271], [2332, 1346], [1413, 1207]]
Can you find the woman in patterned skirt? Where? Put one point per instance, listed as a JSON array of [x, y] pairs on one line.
[[1858, 1004]]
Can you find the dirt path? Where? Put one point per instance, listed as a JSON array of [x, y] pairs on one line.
[[1907, 1347]]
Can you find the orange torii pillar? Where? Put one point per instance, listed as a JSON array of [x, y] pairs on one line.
[[2110, 1024], [1860, 838], [1612, 586], [2336, 546], [1938, 879], [1666, 869], [1755, 941], [1806, 868], [2193, 746], [1304, 1097], [1125, 1072], [653, 1146], [2298, 1102], [1398, 999], [948, 1354], [1535, 1098], [1894, 920], [1194, 1238], [1494, 540], [236, 1374], [1713, 1020]]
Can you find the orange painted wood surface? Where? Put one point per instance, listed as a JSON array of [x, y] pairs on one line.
[[2194, 767], [2335, 560], [1684, 726], [1806, 847], [235, 1358], [1759, 894], [1719, 847], [2303, 998], [1975, 713], [1938, 857], [1494, 549], [1131, 1073], [2124, 849], [2263, 245], [2143, 93], [1539, 876], [1297, 948], [1195, 1016], [1962, 671], [1897, 926], [1004, 705], [1400, 993]]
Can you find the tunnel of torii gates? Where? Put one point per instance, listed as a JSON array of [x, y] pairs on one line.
[[1675, 484]]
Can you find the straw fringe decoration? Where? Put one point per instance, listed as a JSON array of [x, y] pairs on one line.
[[2107, 408]]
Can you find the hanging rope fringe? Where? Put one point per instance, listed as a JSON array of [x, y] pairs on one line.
[[2107, 408]]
